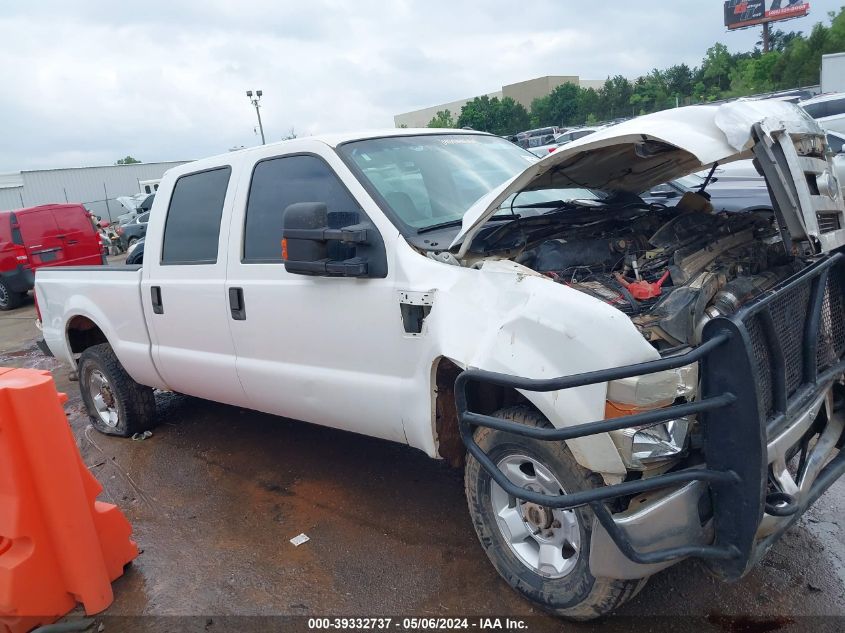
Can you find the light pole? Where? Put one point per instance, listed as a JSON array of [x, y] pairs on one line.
[[254, 102]]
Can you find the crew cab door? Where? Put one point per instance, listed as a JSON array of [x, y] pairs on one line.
[[327, 350], [183, 286]]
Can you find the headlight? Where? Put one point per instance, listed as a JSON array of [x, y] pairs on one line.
[[640, 447]]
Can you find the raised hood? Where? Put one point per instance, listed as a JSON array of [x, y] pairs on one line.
[[638, 154]]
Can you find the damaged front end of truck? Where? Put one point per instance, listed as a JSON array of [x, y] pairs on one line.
[[734, 429]]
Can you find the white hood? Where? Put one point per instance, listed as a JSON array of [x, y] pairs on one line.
[[649, 150]]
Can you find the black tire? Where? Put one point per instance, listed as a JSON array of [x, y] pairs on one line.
[[134, 403], [131, 241], [577, 595], [9, 299]]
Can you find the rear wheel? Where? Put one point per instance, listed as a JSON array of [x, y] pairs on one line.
[[541, 552], [9, 299], [117, 405]]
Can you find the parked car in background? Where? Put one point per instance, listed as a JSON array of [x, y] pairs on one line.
[[735, 187], [836, 142], [135, 254], [828, 110], [537, 137], [146, 204], [37, 237], [571, 135], [136, 229], [561, 139], [548, 146]]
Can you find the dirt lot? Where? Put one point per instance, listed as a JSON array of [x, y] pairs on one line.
[[217, 492]]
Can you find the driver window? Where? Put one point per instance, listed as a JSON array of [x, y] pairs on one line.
[[278, 183]]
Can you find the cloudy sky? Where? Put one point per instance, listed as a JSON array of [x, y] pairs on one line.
[[87, 82]]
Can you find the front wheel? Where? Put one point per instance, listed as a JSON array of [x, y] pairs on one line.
[[117, 405], [541, 552]]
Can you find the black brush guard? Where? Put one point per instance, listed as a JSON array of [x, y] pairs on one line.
[[760, 368]]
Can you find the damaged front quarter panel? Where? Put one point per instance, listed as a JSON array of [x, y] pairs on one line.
[[506, 318]]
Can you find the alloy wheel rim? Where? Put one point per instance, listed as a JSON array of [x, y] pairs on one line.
[[103, 398], [546, 540]]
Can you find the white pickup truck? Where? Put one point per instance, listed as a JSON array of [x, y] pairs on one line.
[[627, 384]]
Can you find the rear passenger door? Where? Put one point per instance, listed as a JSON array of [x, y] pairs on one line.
[[183, 288]]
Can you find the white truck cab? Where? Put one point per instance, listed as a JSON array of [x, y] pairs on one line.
[[617, 377]]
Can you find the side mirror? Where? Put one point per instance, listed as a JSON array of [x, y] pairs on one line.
[[338, 244]]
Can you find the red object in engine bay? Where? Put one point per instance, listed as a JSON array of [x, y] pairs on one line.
[[642, 289]]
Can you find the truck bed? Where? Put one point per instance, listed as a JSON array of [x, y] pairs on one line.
[[109, 296]]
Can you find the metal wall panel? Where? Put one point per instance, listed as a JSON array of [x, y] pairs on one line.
[[95, 187]]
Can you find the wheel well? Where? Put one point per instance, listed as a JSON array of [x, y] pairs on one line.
[[482, 398], [83, 333]]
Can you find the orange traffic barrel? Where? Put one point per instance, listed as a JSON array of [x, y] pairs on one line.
[[58, 544]]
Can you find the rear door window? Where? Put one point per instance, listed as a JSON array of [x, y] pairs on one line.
[[192, 228]]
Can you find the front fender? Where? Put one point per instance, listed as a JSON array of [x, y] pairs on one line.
[[506, 318]]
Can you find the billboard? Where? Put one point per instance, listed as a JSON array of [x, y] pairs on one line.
[[742, 13]]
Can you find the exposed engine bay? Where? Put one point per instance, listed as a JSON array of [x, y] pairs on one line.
[[670, 269]]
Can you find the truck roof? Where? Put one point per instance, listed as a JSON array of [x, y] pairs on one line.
[[303, 143]]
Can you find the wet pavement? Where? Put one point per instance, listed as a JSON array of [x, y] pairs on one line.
[[217, 492]]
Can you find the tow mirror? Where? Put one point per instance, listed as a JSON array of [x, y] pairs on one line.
[[337, 244]]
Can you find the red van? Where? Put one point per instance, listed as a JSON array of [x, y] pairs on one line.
[[49, 235]]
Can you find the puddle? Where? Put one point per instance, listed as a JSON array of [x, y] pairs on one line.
[[31, 357]]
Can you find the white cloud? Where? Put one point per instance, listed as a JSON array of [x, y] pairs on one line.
[[89, 82]]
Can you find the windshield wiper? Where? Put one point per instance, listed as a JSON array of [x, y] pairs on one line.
[[445, 225], [551, 204], [442, 225]]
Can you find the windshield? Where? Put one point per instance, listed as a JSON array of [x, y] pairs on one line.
[[433, 180]]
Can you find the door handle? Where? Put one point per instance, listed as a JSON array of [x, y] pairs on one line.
[[236, 304], [69, 242], [155, 291]]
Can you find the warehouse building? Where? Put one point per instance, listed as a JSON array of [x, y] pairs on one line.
[[523, 92], [95, 187]]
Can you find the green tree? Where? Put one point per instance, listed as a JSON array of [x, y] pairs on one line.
[[616, 94], [589, 104], [504, 116], [478, 113], [754, 75], [716, 67], [127, 161], [679, 81], [443, 118], [510, 117], [779, 40]]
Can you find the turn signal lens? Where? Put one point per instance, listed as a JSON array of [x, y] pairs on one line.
[[285, 248]]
